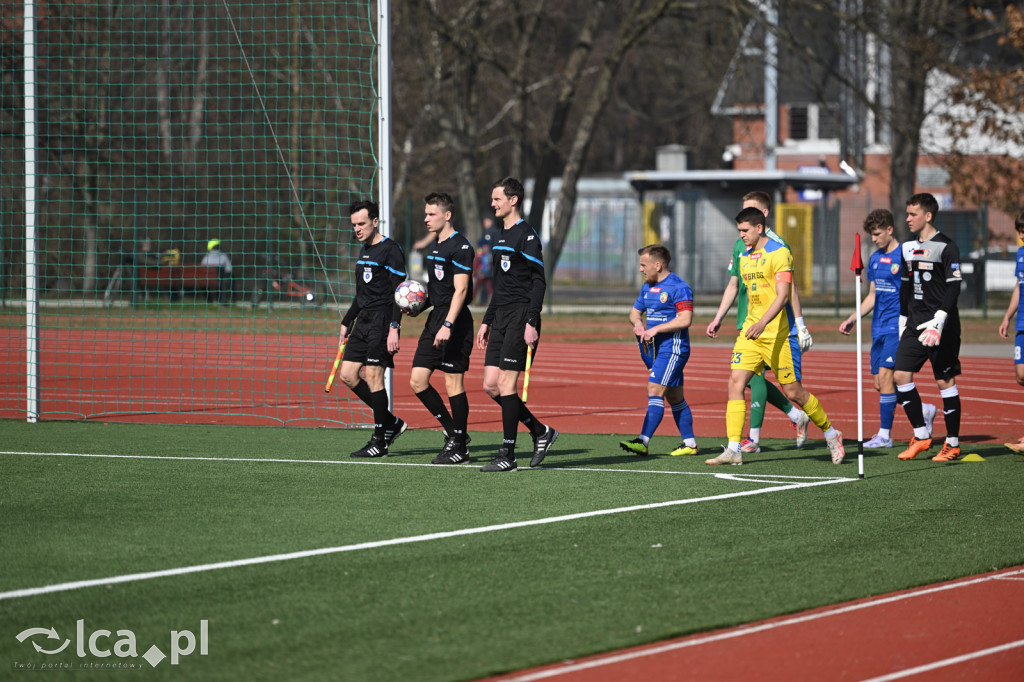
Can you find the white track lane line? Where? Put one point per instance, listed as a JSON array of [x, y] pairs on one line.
[[748, 630], [946, 662]]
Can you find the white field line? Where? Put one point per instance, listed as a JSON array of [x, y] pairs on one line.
[[289, 556], [736, 633]]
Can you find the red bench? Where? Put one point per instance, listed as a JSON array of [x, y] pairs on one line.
[[178, 277]]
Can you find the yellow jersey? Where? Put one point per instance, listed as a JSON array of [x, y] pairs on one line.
[[760, 270]]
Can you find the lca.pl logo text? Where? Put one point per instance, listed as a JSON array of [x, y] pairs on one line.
[[183, 643]]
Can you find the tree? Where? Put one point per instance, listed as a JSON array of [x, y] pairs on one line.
[[911, 40], [639, 17], [988, 103]]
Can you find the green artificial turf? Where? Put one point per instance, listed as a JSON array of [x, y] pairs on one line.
[[457, 606]]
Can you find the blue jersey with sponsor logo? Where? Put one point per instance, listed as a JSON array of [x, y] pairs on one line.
[[884, 271], [1020, 289], [662, 302]]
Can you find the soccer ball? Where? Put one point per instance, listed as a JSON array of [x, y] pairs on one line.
[[411, 297]]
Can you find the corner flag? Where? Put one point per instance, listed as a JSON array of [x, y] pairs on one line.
[[856, 263]]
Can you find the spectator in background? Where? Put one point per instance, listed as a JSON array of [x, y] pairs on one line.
[[171, 257], [144, 258], [483, 271], [215, 258], [491, 232]]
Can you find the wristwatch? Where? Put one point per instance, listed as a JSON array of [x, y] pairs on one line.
[[396, 325], [447, 324]]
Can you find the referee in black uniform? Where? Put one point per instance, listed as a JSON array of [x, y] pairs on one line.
[[929, 291], [512, 322], [377, 318], [447, 339]]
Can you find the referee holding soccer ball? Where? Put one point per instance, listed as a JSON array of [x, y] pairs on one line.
[[447, 339], [377, 319]]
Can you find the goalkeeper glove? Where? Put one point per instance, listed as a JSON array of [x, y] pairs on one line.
[[803, 337], [932, 329], [903, 325]]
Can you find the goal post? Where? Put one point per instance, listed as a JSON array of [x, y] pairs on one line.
[[175, 223]]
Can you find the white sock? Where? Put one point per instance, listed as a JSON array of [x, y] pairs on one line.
[[755, 435], [884, 433], [794, 414], [952, 442]]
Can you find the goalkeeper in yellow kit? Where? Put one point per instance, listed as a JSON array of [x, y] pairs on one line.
[[768, 337]]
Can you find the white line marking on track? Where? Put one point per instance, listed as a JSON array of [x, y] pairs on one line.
[[753, 629], [946, 662], [289, 556]]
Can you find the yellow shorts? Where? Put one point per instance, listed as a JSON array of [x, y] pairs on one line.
[[781, 354]]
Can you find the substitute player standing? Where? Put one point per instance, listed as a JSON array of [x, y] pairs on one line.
[[768, 338], [512, 322], [929, 292], [883, 297], [762, 391], [377, 319], [447, 338], [1015, 307], [666, 301]]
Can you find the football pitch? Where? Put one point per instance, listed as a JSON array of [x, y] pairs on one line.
[[282, 558]]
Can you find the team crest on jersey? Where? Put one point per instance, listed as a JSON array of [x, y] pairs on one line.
[[438, 271], [894, 268], [367, 275], [506, 263], [664, 297]]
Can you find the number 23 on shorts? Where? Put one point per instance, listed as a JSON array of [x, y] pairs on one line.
[[736, 356]]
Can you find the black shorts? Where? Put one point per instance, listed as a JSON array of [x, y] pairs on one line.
[[368, 340], [453, 357], [506, 348], [945, 357]]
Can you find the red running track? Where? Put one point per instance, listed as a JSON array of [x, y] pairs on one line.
[[195, 377], [968, 629]]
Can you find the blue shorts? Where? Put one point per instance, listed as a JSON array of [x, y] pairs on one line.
[[883, 351], [1018, 348], [667, 369]]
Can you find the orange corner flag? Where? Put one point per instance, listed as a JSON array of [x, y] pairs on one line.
[[856, 263]]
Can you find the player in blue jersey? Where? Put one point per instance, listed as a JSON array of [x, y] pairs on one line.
[[883, 275], [1016, 307], [667, 303]]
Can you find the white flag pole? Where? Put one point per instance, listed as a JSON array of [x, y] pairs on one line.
[[858, 265]]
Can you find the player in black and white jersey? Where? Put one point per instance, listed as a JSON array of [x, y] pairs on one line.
[[929, 291], [512, 322], [373, 341], [447, 339]]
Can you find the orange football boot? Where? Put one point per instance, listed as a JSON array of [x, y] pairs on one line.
[[916, 447]]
